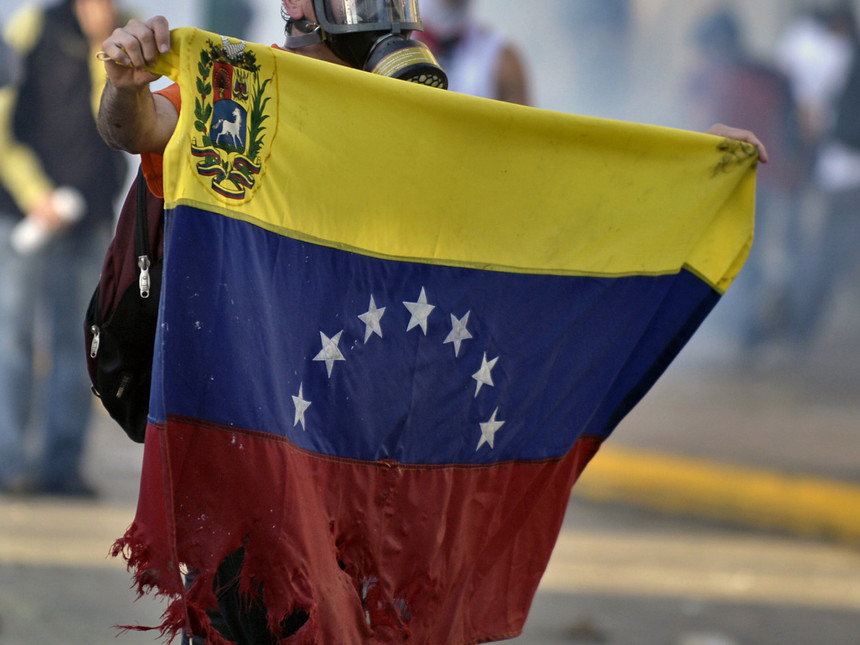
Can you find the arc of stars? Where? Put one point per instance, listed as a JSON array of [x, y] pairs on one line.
[[420, 311]]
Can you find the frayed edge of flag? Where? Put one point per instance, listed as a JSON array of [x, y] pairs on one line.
[[189, 604]]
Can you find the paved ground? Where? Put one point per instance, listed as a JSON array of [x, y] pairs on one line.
[[623, 575]]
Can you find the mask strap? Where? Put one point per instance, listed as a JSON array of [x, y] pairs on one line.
[[297, 42], [311, 32]]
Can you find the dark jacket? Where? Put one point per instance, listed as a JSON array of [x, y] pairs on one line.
[[53, 116]]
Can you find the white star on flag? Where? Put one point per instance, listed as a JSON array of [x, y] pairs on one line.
[[489, 430], [301, 408], [484, 376], [420, 312], [459, 333], [330, 351], [371, 319]]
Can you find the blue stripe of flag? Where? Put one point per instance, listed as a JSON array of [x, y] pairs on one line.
[[342, 354]]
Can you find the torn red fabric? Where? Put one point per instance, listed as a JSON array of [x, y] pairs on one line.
[[379, 552]]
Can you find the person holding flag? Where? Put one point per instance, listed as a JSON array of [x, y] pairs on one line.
[[366, 483]]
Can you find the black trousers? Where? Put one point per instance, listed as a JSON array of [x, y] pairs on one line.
[[238, 620]]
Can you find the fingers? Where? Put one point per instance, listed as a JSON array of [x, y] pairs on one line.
[[138, 44], [729, 132], [749, 137]]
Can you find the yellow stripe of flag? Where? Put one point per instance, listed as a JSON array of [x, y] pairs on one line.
[[396, 170]]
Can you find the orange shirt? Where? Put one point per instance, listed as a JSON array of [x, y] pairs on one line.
[[153, 164]]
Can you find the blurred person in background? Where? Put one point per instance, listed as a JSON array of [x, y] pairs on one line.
[[815, 52], [732, 86], [819, 52], [58, 183], [478, 60], [833, 260]]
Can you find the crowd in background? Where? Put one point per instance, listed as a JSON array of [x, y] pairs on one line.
[[803, 100]]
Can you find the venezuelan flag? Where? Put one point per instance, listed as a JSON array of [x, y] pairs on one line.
[[396, 324]]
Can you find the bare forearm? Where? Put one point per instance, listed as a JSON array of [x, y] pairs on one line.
[[120, 117], [135, 120]]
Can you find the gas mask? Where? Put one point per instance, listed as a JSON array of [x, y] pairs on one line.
[[372, 35]]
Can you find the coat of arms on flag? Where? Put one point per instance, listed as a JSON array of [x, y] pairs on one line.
[[230, 110], [383, 361]]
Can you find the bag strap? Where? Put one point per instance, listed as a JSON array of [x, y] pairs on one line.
[[141, 237]]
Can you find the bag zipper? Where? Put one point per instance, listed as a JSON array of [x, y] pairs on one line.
[[141, 247], [94, 346], [141, 237]]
